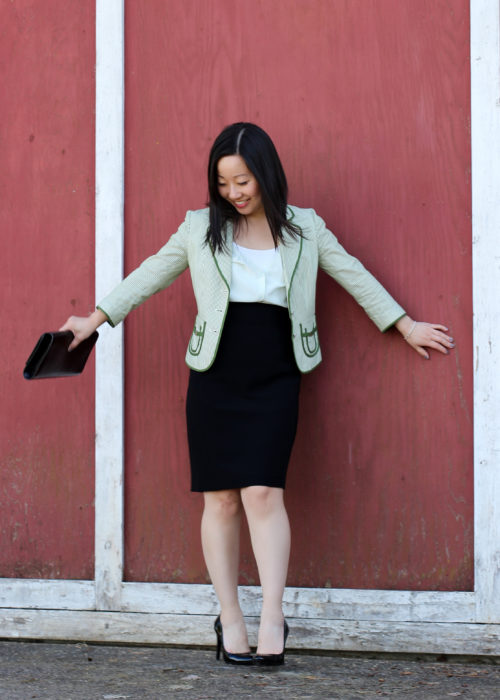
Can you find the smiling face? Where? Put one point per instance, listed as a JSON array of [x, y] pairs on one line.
[[239, 186]]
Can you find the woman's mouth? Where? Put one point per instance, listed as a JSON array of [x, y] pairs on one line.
[[241, 205]]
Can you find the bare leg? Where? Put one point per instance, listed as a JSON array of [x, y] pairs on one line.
[[270, 535], [220, 537]]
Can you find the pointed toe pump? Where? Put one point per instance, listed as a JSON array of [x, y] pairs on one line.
[[273, 659], [228, 656]]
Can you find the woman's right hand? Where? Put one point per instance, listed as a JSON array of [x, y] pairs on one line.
[[83, 326]]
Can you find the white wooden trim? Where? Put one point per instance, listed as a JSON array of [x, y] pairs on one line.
[[197, 599], [306, 603], [109, 174], [348, 635], [48, 594], [485, 117]]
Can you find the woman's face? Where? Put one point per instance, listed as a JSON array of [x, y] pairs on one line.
[[238, 186]]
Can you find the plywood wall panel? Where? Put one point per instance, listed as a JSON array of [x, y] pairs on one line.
[[47, 58], [368, 103]]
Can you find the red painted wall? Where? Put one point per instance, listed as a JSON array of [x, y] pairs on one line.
[[47, 57], [368, 103]]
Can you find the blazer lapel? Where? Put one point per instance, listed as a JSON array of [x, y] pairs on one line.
[[223, 259], [290, 256]]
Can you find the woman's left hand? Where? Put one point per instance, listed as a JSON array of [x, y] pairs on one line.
[[422, 335]]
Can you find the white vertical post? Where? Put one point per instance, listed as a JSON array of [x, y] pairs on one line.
[[485, 114], [109, 225]]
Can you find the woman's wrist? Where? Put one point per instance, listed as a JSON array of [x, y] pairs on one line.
[[404, 325], [97, 318]]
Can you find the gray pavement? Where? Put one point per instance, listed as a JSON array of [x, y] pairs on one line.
[[65, 671]]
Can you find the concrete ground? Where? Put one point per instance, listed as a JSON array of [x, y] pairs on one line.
[[67, 671]]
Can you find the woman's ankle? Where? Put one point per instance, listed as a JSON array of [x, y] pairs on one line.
[[272, 613], [231, 615]]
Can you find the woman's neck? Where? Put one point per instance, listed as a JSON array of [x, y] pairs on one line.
[[254, 232]]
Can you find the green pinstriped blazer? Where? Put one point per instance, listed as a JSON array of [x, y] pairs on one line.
[[211, 279]]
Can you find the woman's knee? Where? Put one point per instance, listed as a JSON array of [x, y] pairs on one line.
[[224, 504], [262, 499]]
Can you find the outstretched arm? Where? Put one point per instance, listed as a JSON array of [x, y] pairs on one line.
[[154, 274], [378, 304], [421, 335]]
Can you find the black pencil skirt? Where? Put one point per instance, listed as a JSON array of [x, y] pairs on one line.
[[242, 412]]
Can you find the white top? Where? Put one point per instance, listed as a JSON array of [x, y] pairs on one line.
[[257, 275]]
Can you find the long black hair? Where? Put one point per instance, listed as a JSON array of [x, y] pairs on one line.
[[259, 153]]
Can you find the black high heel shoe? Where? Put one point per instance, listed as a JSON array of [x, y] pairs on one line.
[[228, 656], [273, 659]]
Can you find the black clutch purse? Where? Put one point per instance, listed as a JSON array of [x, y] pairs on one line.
[[51, 357]]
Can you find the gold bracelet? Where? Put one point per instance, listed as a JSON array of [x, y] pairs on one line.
[[411, 330]]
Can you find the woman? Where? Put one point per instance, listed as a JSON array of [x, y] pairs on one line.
[[253, 262]]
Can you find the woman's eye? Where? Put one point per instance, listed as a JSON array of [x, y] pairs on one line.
[[241, 184]]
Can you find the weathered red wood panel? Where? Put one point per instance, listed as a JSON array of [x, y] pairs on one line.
[[47, 57], [368, 102]]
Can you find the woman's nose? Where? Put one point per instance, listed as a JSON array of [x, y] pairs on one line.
[[234, 192]]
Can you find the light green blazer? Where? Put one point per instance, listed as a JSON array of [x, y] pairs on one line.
[[211, 278]]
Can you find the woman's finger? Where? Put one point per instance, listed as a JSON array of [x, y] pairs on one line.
[[444, 340], [421, 352], [439, 347], [439, 327], [74, 343]]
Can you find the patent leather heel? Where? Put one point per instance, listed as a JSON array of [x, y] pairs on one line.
[[228, 656], [273, 659]]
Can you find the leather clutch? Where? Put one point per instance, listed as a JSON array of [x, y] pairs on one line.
[[51, 357]]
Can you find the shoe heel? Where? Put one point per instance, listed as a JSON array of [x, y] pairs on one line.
[[218, 636]]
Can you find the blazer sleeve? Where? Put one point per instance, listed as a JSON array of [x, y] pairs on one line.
[[347, 270], [154, 274]]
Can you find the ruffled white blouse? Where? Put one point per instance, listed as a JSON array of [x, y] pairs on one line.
[[257, 275]]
